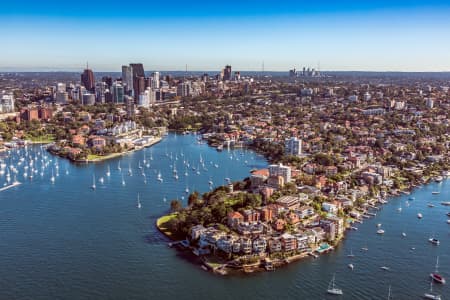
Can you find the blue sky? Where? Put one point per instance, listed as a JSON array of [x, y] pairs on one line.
[[206, 35]]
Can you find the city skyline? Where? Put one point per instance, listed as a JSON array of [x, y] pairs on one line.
[[349, 36]]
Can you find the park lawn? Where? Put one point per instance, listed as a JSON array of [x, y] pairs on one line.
[[48, 138], [161, 224]]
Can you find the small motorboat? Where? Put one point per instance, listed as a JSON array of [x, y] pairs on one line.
[[434, 241]]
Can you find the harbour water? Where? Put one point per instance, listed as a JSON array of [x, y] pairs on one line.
[[63, 240]]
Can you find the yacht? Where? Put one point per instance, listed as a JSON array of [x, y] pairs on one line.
[[101, 180], [435, 193], [351, 266], [403, 234], [434, 241], [438, 178], [332, 289], [380, 231], [385, 268], [445, 203], [448, 214], [431, 295], [435, 275], [419, 215], [430, 205]]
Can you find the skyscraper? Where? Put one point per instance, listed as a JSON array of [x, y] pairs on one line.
[[117, 91], [155, 82], [138, 80], [293, 146], [227, 73], [127, 78], [88, 80], [129, 102]]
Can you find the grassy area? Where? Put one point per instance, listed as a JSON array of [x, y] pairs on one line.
[[48, 138], [161, 224], [95, 157]]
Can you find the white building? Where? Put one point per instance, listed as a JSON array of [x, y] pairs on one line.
[[117, 91], [7, 103], [61, 97], [155, 80], [429, 102], [184, 89], [280, 170], [293, 146], [353, 98], [144, 99], [329, 207], [367, 96]]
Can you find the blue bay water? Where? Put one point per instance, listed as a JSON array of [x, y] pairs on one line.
[[66, 241]]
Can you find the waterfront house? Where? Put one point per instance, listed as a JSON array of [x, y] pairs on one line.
[[196, 231], [288, 241], [246, 245], [275, 245], [302, 242], [98, 142], [259, 245]]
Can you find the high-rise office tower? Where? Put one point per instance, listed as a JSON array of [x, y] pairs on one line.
[[88, 80], [138, 80], [127, 79], [155, 82], [227, 73], [117, 91]]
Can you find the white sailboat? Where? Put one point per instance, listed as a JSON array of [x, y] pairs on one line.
[[52, 179], [93, 186], [436, 276], [138, 203], [108, 173], [123, 181], [159, 177], [431, 295], [332, 289], [118, 166]]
